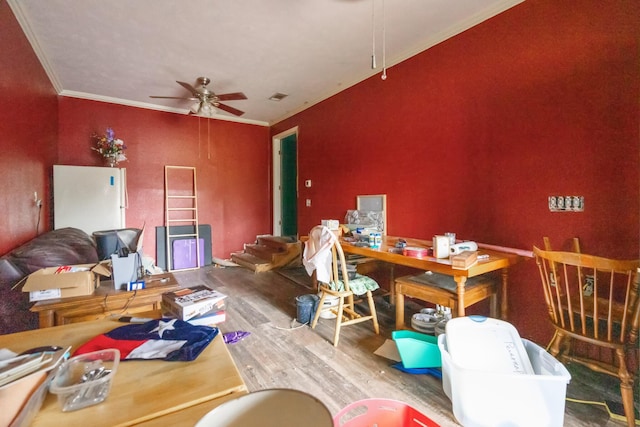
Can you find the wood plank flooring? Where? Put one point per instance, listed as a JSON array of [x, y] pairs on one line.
[[281, 353]]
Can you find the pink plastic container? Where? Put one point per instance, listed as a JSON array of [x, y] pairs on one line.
[[381, 413]]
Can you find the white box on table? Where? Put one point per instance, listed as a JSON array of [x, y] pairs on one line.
[[331, 224]]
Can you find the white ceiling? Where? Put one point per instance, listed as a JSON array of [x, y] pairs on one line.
[[123, 51]]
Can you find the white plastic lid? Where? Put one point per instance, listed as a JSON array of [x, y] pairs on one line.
[[487, 344]]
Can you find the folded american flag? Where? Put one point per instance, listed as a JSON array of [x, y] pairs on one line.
[[165, 339]]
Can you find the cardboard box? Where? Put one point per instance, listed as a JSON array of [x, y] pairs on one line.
[[65, 281], [464, 260], [188, 303]]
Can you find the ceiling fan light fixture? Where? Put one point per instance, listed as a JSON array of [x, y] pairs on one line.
[[195, 108], [207, 109]]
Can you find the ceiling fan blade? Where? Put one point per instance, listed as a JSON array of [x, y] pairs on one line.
[[174, 97], [229, 109], [188, 87], [231, 96]]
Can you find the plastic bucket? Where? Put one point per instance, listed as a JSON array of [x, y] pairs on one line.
[[306, 305]]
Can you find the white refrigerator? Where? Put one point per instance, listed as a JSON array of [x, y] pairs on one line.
[[89, 198]]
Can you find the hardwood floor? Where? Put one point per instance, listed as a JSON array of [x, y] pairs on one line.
[[281, 353]]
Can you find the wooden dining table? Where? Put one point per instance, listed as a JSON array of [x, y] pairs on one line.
[[388, 253], [149, 392]]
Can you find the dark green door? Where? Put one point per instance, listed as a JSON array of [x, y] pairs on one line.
[[289, 185]]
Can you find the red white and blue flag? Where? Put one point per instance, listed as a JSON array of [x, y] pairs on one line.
[[165, 339]]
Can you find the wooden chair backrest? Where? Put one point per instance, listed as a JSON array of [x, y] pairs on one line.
[[338, 259], [591, 296], [337, 256]]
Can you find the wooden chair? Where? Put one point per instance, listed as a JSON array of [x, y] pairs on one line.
[[345, 311], [593, 300]]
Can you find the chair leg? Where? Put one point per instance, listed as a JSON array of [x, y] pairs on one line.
[[340, 313], [626, 388], [556, 346], [374, 314], [318, 310]]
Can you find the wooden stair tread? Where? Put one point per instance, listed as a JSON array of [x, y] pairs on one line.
[[277, 242], [250, 261], [268, 253]]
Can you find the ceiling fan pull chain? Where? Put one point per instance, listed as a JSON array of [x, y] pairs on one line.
[[208, 139], [384, 43], [373, 34]]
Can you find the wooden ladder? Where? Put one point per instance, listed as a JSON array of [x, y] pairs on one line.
[[181, 208]]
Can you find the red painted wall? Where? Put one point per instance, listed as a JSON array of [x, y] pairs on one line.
[[476, 133], [231, 161], [28, 135]]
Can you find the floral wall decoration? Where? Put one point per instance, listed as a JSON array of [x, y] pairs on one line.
[[111, 148]]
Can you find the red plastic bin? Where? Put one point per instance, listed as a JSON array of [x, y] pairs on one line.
[[381, 413]]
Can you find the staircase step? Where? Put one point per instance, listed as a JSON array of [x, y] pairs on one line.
[[270, 252], [267, 253], [277, 242], [252, 262]]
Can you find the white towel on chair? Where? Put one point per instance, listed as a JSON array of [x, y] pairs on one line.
[[317, 253]]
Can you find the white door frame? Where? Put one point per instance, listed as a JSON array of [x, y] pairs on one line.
[[277, 163]]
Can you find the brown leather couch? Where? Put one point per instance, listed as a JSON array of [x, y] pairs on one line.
[[66, 246]]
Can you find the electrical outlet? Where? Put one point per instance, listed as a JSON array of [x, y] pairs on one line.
[[308, 202], [566, 203]]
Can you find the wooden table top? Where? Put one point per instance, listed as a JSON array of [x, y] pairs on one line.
[[156, 284], [142, 390], [496, 260]]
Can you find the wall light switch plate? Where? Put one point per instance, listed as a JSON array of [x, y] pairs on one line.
[[566, 203], [307, 183], [308, 202]]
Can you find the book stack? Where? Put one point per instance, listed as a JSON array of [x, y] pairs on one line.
[[199, 305]]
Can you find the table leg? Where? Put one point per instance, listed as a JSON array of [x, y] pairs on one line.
[[460, 280], [399, 309], [45, 319], [504, 305], [392, 284]]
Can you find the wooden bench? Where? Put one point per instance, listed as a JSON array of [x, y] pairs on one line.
[[441, 289]]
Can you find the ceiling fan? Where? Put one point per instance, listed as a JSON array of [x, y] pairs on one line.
[[206, 100]]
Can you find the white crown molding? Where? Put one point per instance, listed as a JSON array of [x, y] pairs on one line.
[[145, 105]]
